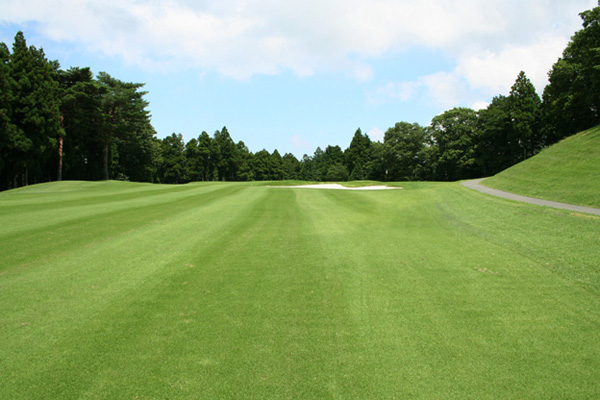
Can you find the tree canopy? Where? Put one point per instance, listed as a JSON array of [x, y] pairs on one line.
[[572, 98], [69, 124]]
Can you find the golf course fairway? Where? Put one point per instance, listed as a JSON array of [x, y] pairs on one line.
[[116, 290]]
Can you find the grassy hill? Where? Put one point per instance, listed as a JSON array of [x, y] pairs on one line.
[[568, 172], [115, 290]]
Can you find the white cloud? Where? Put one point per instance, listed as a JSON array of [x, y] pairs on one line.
[[484, 74], [240, 38], [442, 89], [495, 72], [480, 105], [376, 134]]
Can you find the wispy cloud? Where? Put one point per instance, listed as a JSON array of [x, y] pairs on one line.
[[478, 73], [241, 38], [300, 144], [376, 134]]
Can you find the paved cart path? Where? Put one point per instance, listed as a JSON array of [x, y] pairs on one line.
[[476, 185]]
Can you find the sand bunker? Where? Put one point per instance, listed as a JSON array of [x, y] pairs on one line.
[[339, 187]]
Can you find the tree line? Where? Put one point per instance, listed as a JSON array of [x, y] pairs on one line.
[[57, 124]]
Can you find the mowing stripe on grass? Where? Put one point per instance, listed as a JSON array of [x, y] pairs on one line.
[[241, 291]]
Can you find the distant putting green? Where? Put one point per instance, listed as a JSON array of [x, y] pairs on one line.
[[117, 290], [568, 172]]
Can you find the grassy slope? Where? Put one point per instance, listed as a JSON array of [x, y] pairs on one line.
[[568, 172], [117, 290]]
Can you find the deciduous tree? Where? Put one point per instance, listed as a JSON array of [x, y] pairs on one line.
[[403, 145], [572, 98], [455, 134]]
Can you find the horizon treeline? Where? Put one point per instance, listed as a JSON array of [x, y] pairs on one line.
[[57, 124]]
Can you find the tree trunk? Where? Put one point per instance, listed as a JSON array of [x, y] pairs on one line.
[[60, 148], [105, 166], [60, 158]]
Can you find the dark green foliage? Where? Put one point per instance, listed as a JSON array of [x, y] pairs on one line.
[[307, 168], [13, 142], [357, 156], [402, 153], [206, 152], [525, 116], [35, 113], [322, 161], [243, 162], [82, 118], [277, 172], [266, 167], [137, 154], [291, 166], [125, 124], [572, 99], [454, 134], [377, 167], [337, 173], [225, 155], [193, 160], [510, 128], [174, 163], [261, 165], [494, 125]]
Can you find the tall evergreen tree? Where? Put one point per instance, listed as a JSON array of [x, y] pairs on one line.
[[276, 166], [125, 118], [291, 166], [35, 108], [525, 115], [243, 162], [357, 155], [81, 118], [174, 165], [193, 160], [261, 165], [225, 150], [13, 142], [308, 170], [510, 128], [206, 152], [493, 153]]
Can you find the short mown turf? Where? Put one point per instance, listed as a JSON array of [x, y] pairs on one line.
[[568, 172], [238, 291]]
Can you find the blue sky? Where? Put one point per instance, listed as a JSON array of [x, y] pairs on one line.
[[294, 75]]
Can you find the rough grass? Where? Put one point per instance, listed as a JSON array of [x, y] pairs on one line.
[[222, 290], [568, 172]]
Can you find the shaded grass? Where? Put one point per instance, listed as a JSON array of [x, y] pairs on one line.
[[568, 172], [241, 291]]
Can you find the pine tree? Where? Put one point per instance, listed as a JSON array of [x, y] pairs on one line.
[[525, 114], [125, 124], [81, 118], [357, 155], [13, 142], [35, 108]]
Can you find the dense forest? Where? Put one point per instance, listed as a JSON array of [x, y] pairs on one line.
[[57, 124]]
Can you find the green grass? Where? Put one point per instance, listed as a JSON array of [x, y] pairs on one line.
[[231, 290], [568, 172]]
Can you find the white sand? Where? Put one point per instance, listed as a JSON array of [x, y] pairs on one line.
[[338, 187]]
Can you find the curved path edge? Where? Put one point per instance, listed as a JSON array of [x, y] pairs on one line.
[[475, 184]]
